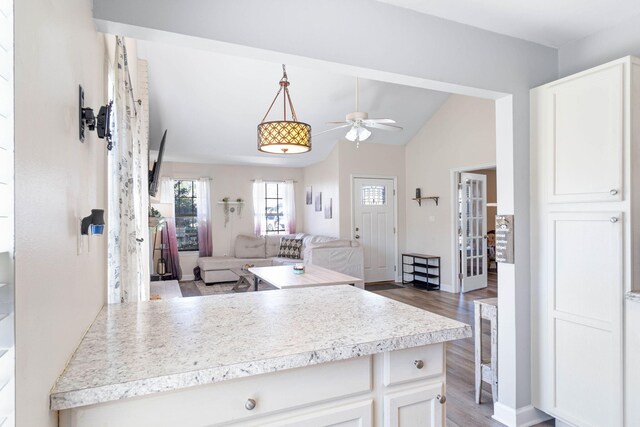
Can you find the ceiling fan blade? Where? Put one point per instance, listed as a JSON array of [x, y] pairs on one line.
[[380, 120], [384, 127], [332, 129], [339, 123]]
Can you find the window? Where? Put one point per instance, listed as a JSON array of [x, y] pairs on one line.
[[186, 215], [273, 202], [373, 195]]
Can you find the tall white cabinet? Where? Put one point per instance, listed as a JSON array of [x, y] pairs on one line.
[[585, 132]]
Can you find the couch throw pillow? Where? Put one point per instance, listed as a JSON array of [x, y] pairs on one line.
[[290, 248]]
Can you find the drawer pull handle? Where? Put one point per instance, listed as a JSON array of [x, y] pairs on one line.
[[441, 398], [250, 404], [419, 364], [613, 219], [613, 192]]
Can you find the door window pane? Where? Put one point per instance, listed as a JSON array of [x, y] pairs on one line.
[[373, 195]]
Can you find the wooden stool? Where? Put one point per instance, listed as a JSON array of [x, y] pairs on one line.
[[486, 371]]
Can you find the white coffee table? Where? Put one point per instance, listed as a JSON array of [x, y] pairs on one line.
[[283, 277]]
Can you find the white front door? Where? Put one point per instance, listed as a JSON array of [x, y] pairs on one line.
[[374, 226], [473, 231]]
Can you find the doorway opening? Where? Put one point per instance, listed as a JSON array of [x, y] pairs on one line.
[[475, 198]]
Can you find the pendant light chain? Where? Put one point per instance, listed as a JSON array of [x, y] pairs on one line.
[[284, 83]]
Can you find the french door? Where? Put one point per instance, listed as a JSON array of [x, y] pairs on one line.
[[473, 231], [374, 226]]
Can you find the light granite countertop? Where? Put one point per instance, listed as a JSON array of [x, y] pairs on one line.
[[138, 349], [633, 296]]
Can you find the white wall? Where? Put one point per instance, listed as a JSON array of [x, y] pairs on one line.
[[232, 181], [601, 47], [461, 134], [323, 177], [58, 180]]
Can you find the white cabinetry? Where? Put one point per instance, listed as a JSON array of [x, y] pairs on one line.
[[358, 414], [415, 407], [587, 137], [7, 348], [402, 388], [584, 132]]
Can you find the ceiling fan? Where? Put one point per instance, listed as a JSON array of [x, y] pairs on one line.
[[360, 123]]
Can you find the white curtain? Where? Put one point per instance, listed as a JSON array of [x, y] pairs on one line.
[[258, 207], [289, 207], [203, 203], [127, 169]]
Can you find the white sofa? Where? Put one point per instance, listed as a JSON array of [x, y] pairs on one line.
[[344, 256]]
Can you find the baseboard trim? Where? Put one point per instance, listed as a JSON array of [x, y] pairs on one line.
[[522, 417], [188, 277], [446, 288]]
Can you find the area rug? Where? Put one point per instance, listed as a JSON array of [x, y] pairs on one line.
[[227, 288], [381, 287]]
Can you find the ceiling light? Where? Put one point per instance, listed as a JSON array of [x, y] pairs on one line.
[[284, 136], [358, 133]]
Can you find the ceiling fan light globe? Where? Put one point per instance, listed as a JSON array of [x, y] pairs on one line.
[[363, 134], [352, 135]]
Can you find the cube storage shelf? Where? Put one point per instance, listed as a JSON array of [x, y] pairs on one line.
[[422, 271]]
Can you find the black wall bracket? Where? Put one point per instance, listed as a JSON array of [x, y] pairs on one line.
[[101, 124]]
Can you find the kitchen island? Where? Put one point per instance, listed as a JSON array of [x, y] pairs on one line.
[[300, 357]]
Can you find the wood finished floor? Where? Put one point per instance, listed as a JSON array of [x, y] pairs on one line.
[[462, 411]]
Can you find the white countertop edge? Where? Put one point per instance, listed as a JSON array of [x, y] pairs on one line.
[[633, 296], [61, 400]]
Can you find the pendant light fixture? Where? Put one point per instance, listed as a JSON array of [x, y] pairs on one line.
[[284, 136]]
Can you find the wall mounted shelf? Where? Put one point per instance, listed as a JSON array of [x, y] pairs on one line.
[[420, 199]]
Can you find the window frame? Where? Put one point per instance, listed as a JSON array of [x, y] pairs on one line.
[[194, 214]]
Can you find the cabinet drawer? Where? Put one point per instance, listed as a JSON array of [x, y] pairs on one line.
[[413, 364], [224, 403], [348, 415]]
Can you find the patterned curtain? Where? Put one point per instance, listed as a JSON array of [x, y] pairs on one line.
[[127, 165], [203, 200], [258, 207]]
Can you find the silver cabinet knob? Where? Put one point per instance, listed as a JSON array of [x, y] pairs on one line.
[[441, 398], [613, 192], [419, 364], [613, 219], [250, 404]]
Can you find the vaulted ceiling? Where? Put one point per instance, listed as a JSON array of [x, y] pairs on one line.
[[548, 22], [211, 104]]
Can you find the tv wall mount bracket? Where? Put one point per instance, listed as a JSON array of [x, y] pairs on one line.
[[100, 123]]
